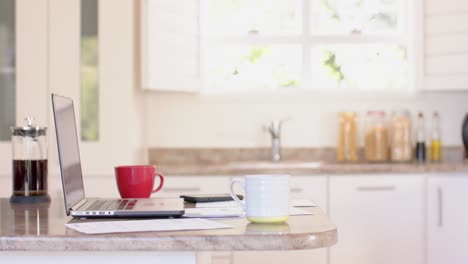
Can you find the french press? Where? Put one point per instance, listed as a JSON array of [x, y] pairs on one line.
[[29, 151]]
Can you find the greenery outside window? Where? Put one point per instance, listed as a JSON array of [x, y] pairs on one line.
[[89, 71], [309, 44]]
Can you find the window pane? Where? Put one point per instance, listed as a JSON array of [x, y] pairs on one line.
[[7, 68], [89, 71], [241, 17], [240, 67], [355, 16], [360, 66]]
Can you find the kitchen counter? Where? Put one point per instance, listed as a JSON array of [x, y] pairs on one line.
[[310, 168], [41, 227], [295, 161]]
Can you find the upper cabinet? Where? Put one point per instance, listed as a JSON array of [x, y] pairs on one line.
[[170, 45], [445, 45]]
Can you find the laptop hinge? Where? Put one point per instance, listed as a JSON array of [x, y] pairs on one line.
[[78, 204]]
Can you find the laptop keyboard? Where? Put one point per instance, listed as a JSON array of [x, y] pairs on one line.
[[111, 205]]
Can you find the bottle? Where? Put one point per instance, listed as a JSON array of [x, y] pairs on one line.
[[436, 146], [347, 145], [420, 139]]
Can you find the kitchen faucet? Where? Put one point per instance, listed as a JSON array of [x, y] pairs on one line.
[[274, 128]]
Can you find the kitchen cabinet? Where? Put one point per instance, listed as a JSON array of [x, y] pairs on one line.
[[447, 229], [443, 51], [379, 218], [310, 187], [6, 187], [174, 186]]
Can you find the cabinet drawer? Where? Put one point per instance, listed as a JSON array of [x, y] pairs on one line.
[[311, 188], [178, 185], [318, 256]]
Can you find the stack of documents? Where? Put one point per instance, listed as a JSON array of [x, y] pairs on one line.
[[232, 209]]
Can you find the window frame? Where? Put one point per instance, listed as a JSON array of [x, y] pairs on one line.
[[409, 20]]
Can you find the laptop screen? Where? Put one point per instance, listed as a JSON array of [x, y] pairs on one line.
[[69, 153]]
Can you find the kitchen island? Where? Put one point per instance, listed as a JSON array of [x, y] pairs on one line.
[[41, 229]]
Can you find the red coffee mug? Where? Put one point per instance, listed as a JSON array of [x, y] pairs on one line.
[[137, 181]]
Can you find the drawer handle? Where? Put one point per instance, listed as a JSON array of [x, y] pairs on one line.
[[375, 188], [440, 207], [182, 189], [296, 190]]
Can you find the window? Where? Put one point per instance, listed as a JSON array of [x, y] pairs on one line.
[[7, 68], [312, 44], [223, 45], [89, 71]]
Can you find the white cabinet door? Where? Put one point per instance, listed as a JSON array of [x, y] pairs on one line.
[[311, 188], [178, 185], [379, 219], [447, 219], [6, 186]]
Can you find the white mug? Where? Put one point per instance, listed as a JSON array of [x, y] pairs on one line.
[[266, 197]]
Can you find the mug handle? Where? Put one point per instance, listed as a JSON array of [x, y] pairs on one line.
[[161, 182], [233, 195]]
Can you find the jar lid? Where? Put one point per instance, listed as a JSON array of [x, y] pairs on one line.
[[29, 130]]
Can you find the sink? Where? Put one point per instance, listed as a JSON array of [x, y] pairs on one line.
[[275, 165]]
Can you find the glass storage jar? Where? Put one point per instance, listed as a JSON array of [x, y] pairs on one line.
[[401, 144], [347, 140], [376, 137]]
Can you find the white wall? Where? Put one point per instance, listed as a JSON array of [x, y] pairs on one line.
[[182, 120]]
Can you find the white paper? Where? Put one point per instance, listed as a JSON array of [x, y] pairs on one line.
[[217, 204], [231, 212], [146, 225], [295, 203]]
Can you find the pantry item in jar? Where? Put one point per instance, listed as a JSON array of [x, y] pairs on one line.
[[401, 140], [347, 141], [376, 137]]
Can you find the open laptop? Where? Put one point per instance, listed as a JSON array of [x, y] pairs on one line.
[[76, 204]]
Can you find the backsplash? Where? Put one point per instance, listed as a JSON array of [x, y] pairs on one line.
[[237, 120]]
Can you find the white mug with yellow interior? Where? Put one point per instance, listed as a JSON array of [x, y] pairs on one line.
[[266, 197]]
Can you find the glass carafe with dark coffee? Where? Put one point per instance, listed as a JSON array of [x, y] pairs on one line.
[[29, 147]]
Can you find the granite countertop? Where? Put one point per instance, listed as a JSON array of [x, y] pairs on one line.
[[41, 227], [310, 168], [296, 161]]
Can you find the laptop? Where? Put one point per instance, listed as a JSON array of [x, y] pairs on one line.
[[76, 204]]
